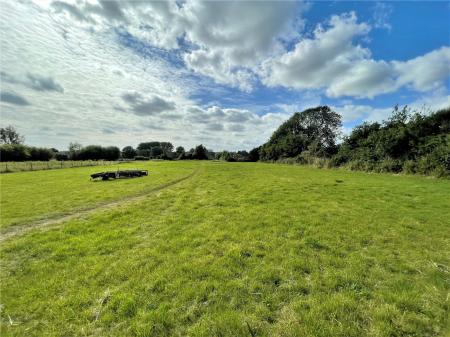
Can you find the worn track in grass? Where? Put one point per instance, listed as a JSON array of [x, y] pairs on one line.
[[19, 230]]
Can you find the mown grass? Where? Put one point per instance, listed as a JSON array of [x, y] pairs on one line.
[[21, 166], [242, 250], [30, 196]]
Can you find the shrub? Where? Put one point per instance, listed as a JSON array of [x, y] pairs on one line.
[[40, 154], [61, 156], [110, 153], [409, 167], [390, 165], [14, 152]]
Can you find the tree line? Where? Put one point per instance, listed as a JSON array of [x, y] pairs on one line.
[[12, 148], [408, 141]]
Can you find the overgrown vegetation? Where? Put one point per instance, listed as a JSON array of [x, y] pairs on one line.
[[406, 142], [238, 249], [409, 142]]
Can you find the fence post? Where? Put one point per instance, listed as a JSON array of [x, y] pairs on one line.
[[31, 166], [6, 167]]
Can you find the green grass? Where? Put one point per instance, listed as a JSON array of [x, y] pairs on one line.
[[238, 249], [30, 196], [20, 166]]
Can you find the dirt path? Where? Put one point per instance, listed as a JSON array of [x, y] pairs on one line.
[[19, 230]]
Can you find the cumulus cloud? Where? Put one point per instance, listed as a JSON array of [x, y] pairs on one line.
[[72, 10], [112, 82], [425, 72], [333, 61], [12, 98], [222, 40], [315, 62], [233, 39], [147, 106], [362, 112], [238, 44]]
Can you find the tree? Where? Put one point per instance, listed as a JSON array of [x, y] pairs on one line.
[[166, 149], [9, 135], [179, 152], [61, 156], [14, 152], [399, 116], [200, 153], [413, 143], [156, 152], [148, 145], [96, 152], [110, 153], [74, 149], [41, 153], [156, 149], [316, 128], [129, 152], [90, 152], [254, 154]]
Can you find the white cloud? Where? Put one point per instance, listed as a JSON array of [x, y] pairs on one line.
[[425, 72], [356, 112], [237, 43], [381, 14], [331, 60], [65, 61], [108, 90], [227, 40], [315, 62], [233, 38]]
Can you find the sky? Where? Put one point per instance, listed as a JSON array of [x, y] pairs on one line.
[[224, 74]]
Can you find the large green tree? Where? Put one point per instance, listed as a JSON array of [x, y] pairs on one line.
[[315, 129], [200, 152], [129, 152]]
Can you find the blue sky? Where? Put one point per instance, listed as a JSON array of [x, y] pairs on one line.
[[225, 74]]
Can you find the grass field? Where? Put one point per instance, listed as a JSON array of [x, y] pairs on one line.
[[21, 166], [225, 249]]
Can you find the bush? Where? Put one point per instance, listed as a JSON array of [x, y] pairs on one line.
[[390, 165], [40, 154], [416, 143], [61, 156], [14, 152], [361, 165], [96, 152], [111, 153], [409, 167]]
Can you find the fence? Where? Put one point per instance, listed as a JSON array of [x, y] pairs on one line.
[[49, 165]]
